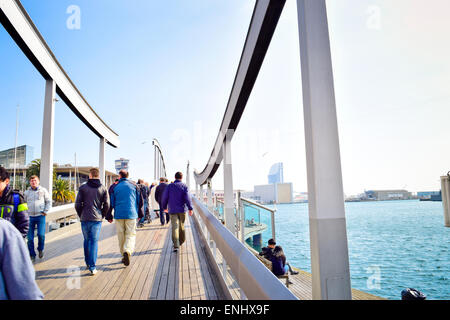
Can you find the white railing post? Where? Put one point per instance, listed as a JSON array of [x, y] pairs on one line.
[[202, 198], [101, 162], [228, 207], [209, 194], [46, 174], [329, 248]]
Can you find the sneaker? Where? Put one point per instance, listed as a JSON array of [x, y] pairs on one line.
[[33, 259], [93, 272], [175, 249], [41, 254], [294, 272], [126, 259]]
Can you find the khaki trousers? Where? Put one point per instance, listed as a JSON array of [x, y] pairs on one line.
[[126, 233], [177, 222]]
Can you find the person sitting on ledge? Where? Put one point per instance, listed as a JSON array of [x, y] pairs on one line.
[[268, 253]]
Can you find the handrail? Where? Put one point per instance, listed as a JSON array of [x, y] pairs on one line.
[[262, 27], [24, 32], [258, 205], [256, 281]]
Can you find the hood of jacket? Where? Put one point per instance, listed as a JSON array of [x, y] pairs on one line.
[[94, 183]]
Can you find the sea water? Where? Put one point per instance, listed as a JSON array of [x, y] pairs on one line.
[[392, 245]]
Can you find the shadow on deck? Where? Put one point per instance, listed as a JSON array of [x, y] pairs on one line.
[[155, 272]]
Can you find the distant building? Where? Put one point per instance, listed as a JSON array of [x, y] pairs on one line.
[[274, 193], [24, 156], [382, 195], [427, 194], [121, 164], [276, 173]]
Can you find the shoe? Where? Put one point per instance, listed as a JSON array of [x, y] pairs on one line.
[[33, 259], [41, 254], [175, 249], [290, 282], [294, 272], [93, 272], [126, 259]]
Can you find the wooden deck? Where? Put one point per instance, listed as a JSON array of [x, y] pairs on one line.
[[155, 272]]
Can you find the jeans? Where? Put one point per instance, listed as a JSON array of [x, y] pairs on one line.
[[141, 221], [39, 223], [161, 217], [91, 234]]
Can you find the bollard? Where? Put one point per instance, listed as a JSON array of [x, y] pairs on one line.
[[445, 192]]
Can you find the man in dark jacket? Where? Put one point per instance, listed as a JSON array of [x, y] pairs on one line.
[[13, 206], [92, 205], [164, 217], [145, 194], [177, 198]]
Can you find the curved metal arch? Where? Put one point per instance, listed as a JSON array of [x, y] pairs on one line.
[[262, 27], [24, 32], [155, 143]]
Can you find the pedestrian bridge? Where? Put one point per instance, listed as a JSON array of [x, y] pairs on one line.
[[215, 262]]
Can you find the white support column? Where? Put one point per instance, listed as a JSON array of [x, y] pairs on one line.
[[328, 234], [46, 174], [196, 191], [202, 198], [154, 165], [101, 161], [228, 196], [209, 193], [445, 194]]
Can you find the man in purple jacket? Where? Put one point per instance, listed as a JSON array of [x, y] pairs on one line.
[[176, 196]]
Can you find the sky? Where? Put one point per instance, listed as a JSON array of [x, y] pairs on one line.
[[164, 70]]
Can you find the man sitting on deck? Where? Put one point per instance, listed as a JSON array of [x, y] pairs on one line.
[[267, 252]]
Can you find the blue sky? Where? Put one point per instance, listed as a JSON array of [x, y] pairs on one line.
[[165, 70]]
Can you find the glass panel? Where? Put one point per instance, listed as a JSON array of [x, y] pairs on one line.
[[257, 225]]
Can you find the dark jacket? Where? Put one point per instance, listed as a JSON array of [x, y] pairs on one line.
[[127, 200], [266, 253], [278, 262], [159, 191], [17, 216], [176, 197], [92, 203]]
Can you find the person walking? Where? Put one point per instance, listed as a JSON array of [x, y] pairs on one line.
[[153, 203], [164, 217], [145, 195], [92, 205], [13, 206], [148, 216], [128, 204], [17, 275], [174, 201], [39, 203]]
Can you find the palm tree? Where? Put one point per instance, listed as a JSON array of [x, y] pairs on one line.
[[61, 192], [35, 170]]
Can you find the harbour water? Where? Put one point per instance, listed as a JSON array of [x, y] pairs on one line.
[[393, 245]]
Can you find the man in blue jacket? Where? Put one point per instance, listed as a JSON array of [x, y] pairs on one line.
[[176, 196], [128, 204]]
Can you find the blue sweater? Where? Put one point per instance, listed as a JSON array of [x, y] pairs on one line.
[[125, 200], [16, 270], [176, 196]]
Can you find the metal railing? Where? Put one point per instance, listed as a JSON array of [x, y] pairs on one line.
[[256, 282]]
